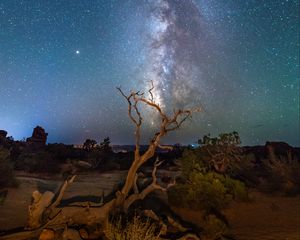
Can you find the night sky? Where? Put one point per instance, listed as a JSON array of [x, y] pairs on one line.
[[60, 61]]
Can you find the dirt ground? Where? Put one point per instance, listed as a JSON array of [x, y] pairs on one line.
[[263, 218], [267, 217]]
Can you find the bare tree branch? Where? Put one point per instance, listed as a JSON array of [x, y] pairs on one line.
[[150, 188], [165, 147], [61, 193], [150, 91]]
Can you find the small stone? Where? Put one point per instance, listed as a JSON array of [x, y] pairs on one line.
[[83, 233], [71, 234], [47, 234]]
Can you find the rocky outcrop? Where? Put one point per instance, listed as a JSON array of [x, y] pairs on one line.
[[3, 134], [39, 136], [273, 149]]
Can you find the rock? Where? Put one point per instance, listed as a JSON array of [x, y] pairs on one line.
[[83, 233], [47, 234], [82, 164], [71, 234], [279, 148], [3, 134], [39, 136]]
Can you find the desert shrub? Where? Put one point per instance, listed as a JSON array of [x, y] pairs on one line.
[[247, 171], [62, 152], [193, 160], [137, 228], [95, 158], [207, 191], [7, 178], [221, 153], [101, 160], [37, 162], [201, 186], [214, 228]]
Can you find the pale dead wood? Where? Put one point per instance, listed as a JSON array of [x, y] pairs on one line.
[[165, 147], [61, 193], [41, 208], [150, 188]]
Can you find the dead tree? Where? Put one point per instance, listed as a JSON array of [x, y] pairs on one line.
[[167, 124], [52, 216]]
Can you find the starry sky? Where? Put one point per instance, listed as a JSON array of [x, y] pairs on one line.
[[60, 62]]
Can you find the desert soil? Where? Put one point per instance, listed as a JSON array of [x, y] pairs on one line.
[[264, 218]]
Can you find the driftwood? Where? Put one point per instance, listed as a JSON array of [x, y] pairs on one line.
[[45, 211]]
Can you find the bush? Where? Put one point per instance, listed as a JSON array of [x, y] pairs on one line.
[[247, 171], [201, 187], [37, 162], [207, 191], [134, 229], [7, 178], [214, 228]]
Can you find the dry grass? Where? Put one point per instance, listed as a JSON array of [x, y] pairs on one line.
[[136, 229]]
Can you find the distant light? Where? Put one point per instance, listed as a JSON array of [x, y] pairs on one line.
[[77, 52], [194, 145]]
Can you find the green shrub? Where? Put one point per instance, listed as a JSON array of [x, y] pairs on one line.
[[202, 187], [207, 191]]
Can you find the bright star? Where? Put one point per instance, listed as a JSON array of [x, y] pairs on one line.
[[77, 52]]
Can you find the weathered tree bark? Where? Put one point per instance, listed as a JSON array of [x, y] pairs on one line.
[[51, 215]]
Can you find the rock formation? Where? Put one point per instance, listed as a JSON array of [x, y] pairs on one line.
[[39, 136], [3, 134]]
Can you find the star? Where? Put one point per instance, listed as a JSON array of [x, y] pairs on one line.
[[77, 52]]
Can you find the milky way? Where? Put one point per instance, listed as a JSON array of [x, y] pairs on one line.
[[176, 53]]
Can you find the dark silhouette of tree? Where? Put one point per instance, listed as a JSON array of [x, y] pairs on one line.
[[89, 144], [105, 145]]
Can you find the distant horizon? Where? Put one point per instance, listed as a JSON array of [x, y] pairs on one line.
[[143, 143]]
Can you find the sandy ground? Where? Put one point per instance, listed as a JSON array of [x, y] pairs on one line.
[[264, 218]]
